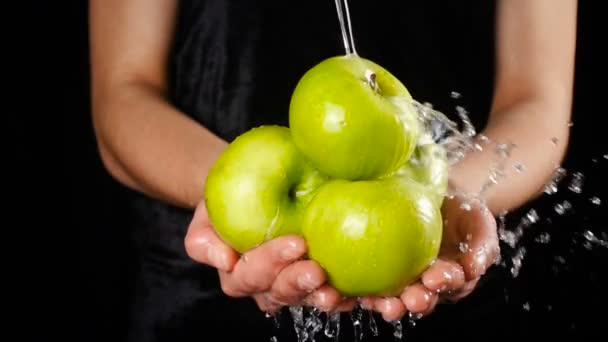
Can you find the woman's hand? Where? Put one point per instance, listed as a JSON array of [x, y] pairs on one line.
[[469, 247], [274, 274]]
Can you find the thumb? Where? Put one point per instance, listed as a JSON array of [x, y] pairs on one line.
[[204, 245]]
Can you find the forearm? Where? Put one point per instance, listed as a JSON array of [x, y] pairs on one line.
[[151, 147], [531, 108], [538, 148]]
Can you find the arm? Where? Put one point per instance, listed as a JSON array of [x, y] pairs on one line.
[[535, 52], [144, 142], [149, 146], [535, 44]]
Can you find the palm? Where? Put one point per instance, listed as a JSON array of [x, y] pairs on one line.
[[469, 236]]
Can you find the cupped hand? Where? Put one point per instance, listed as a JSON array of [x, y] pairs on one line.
[[274, 273], [469, 247]]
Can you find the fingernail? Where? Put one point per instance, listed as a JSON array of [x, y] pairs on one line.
[[291, 252], [306, 282]]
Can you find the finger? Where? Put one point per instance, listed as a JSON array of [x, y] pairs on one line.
[[443, 276], [464, 291], [431, 307], [346, 305], [266, 303], [417, 298], [367, 303], [297, 281], [391, 308], [257, 269], [325, 298], [483, 247], [204, 245]]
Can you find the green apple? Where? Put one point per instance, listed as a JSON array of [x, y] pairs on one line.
[[372, 237], [428, 166], [344, 119], [258, 188]]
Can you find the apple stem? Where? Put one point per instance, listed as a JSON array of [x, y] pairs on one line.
[[349, 43], [371, 80]]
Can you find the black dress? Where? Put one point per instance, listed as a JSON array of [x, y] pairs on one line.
[[233, 66]]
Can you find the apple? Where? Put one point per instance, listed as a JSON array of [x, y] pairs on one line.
[[373, 237], [428, 166], [258, 188], [344, 119]]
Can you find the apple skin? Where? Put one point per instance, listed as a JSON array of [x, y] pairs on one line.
[[347, 129], [258, 188], [373, 237], [428, 166]]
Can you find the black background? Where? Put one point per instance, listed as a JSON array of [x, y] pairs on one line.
[[80, 290]]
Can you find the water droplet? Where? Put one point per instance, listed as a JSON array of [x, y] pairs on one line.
[[412, 318], [543, 238], [554, 140], [504, 149], [397, 329], [483, 139], [372, 323], [268, 315], [552, 186], [606, 156], [463, 247], [273, 339], [596, 200], [570, 124], [468, 237], [455, 95], [520, 168], [589, 236], [549, 307], [465, 206], [526, 306], [562, 208], [532, 216], [576, 184], [594, 160], [332, 326], [517, 261], [560, 259]]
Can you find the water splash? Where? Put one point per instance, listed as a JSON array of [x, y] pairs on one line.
[[397, 329], [412, 318], [373, 327], [312, 322], [297, 313], [517, 261], [576, 184], [332, 326], [562, 208], [552, 186], [596, 200], [356, 317], [594, 240], [543, 238]]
